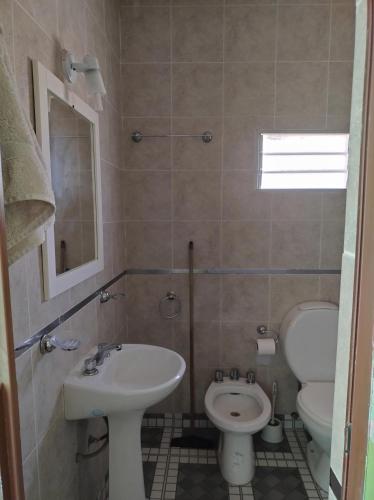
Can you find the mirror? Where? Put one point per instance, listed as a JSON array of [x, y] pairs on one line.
[[72, 180], [68, 132]]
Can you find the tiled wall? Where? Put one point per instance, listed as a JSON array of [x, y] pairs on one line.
[[235, 67], [38, 29]]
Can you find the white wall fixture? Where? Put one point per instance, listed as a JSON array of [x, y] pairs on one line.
[[91, 69], [68, 132]]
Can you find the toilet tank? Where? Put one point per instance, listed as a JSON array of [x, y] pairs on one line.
[[309, 336]]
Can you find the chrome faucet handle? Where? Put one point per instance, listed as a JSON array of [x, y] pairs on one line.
[[251, 377], [49, 342], [234, 374], [104, 346], [90, 367], [218, 376]]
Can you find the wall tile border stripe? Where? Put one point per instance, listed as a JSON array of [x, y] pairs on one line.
[[28, 343], [35, 338], [247, 271]]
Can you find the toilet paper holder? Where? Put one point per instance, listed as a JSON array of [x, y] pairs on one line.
[[263, 330]]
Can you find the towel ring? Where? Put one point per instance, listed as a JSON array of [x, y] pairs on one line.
[[165, 302]]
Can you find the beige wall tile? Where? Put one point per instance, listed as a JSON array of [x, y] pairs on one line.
[[303, 32], [297, 121], [45, 12], [26, 404], [340, 88], [196, 195], [147, 195], [147, 89], [31, 477], [301, 88], [157, 332], [148, 244], [57, 452], [206, 238], [207, 298], [197, 33], [153, 154], [6, 10], [295, 244], [250, 33], [332, 243], [249, 88], [30, 42], [19, 301], [343, 31], [330, 288], [241, 140], [207, 343], [287, 291], [145, 34], [245, 244], [241, 198], [145, 293], [300, 205], [245, 298], [72, 24], [193, 153], [197, 89], [333, 206], [238, 346]]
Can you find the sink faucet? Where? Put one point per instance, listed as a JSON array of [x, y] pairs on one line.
[[103, 351]]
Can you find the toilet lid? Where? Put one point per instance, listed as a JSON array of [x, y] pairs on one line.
[[317, 399]]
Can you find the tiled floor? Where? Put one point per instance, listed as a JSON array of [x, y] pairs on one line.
[[192, 474]]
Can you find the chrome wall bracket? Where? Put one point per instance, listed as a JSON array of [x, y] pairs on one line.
[[48, 343]]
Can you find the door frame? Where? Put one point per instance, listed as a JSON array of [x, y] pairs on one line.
[[10, 442], [361, 349]]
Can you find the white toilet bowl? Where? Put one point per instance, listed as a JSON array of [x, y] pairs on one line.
[[309, 333], [239, 410], [315, 406]]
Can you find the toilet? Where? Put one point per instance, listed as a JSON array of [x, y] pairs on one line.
[[309, 333], [238, 409]]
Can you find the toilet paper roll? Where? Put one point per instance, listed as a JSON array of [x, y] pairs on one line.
[[266, 347]]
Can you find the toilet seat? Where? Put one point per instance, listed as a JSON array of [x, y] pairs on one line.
[[316, 399]]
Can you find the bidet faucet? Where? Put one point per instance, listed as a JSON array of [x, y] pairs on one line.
[[251, 377], [234, 374]]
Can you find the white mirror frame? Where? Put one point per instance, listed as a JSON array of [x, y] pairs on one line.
[[45, 81]]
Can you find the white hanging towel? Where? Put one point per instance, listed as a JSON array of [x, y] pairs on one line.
[[28, 194]]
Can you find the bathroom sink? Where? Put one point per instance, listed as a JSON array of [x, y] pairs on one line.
[[134, 378], [129, 381]]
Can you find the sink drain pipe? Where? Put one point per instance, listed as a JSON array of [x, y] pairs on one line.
[[79, 457]]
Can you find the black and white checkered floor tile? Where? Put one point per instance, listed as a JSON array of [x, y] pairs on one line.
[[192, 474]]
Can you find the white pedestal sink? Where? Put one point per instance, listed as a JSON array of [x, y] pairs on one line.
[[128, 382]]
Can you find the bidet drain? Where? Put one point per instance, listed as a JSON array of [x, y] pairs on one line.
[[235, 414]]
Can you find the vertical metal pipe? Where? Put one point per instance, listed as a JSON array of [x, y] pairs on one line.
[[192, 333]]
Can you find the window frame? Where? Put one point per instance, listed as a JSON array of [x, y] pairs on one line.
[[259, 171]]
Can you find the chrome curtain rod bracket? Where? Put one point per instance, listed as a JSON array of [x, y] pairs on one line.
[[138, 136]]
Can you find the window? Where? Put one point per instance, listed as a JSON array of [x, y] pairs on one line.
[[303, 161]]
